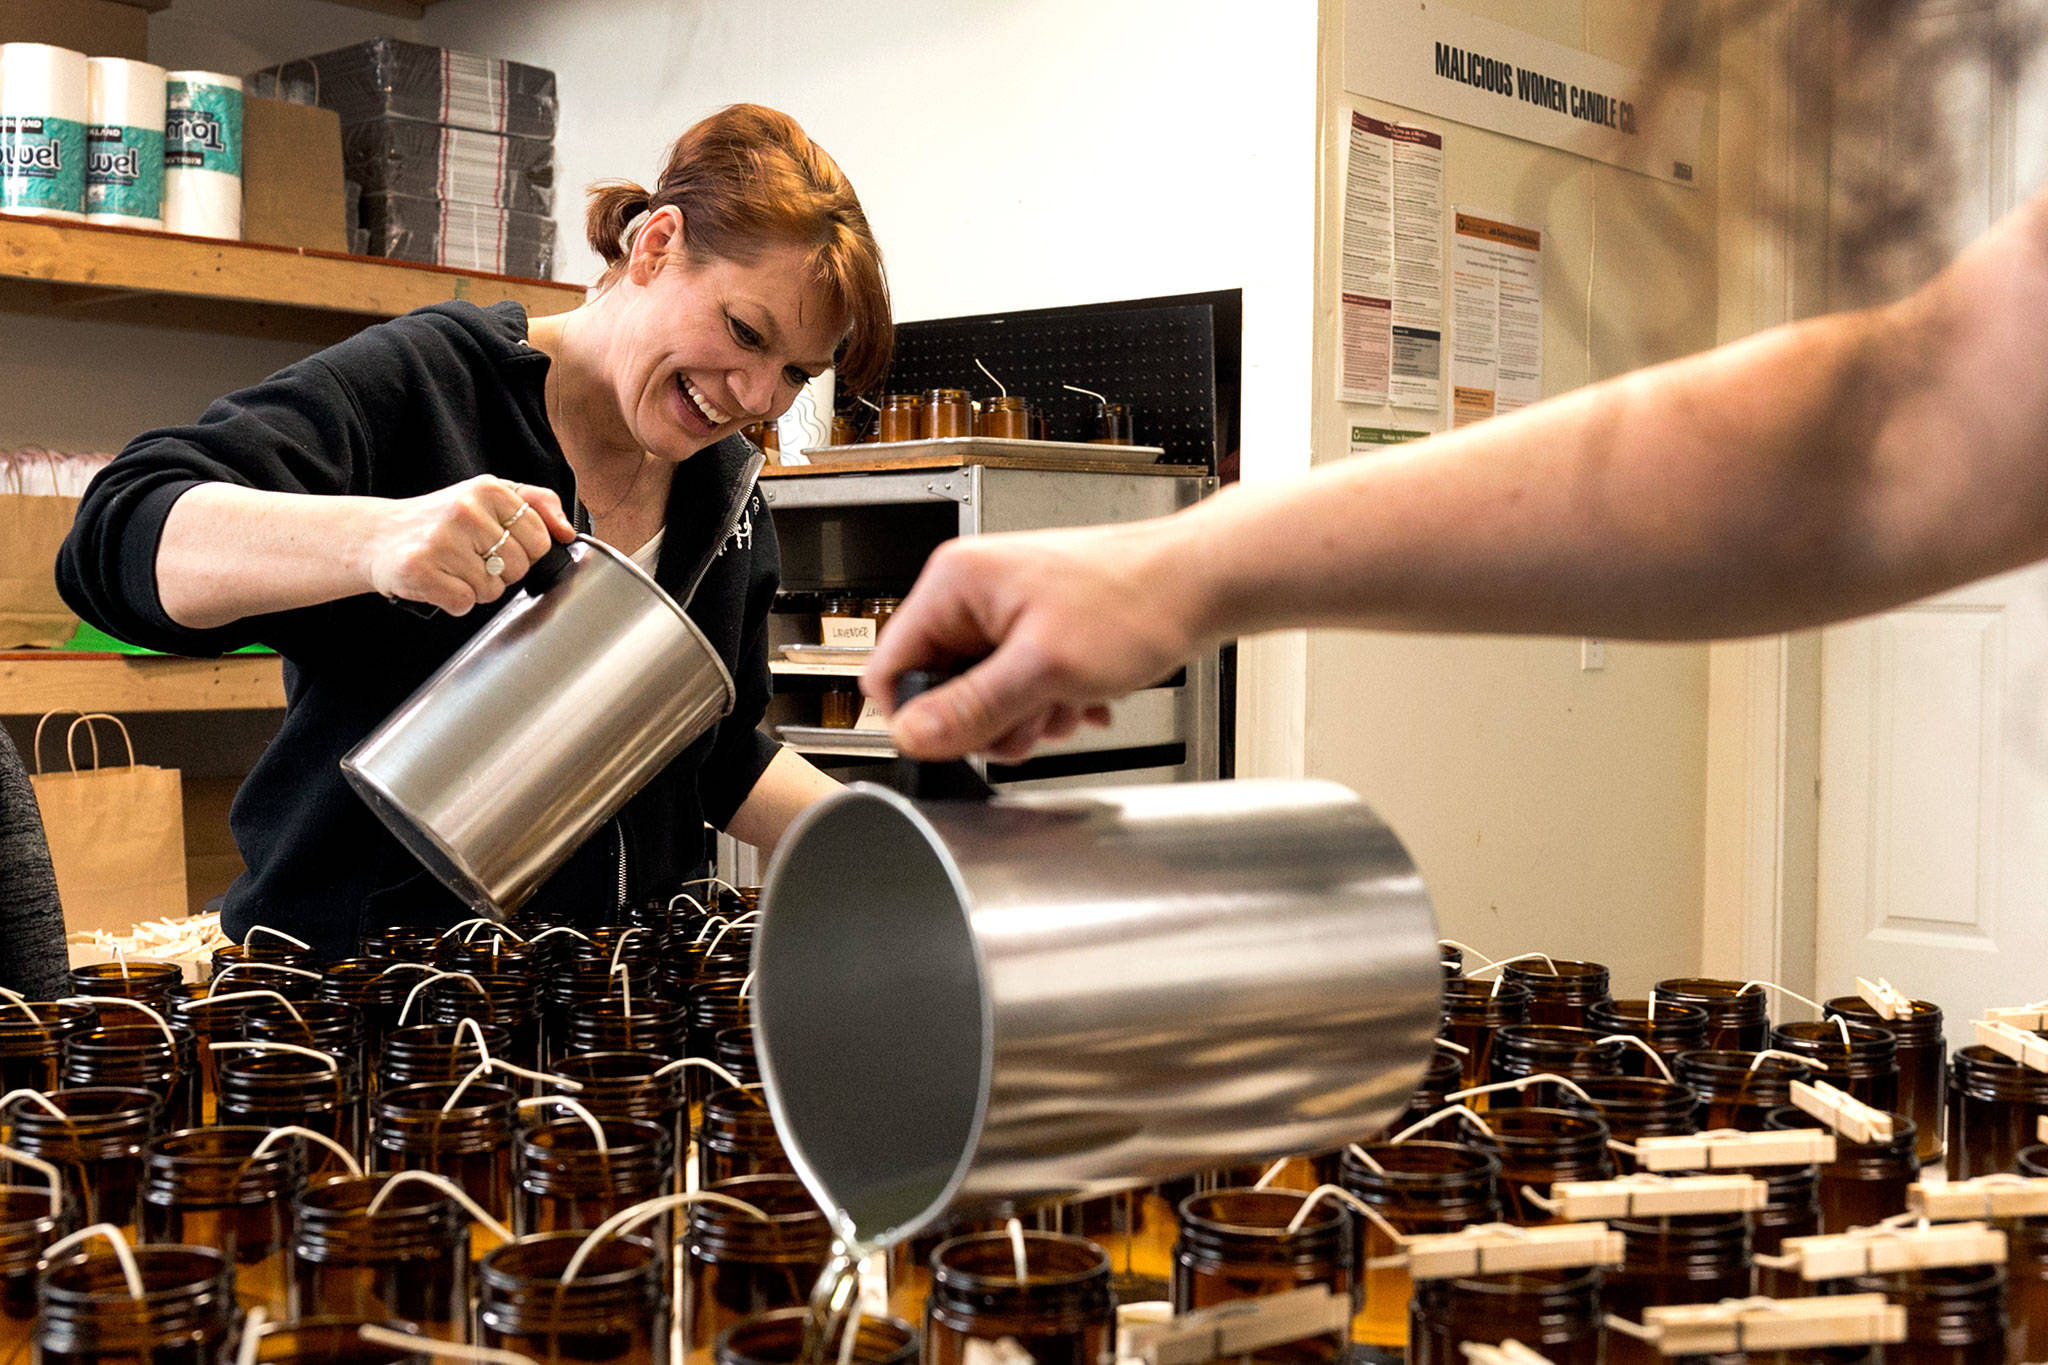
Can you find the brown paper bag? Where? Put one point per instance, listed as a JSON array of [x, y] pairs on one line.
[[117, 835], [31, 529]]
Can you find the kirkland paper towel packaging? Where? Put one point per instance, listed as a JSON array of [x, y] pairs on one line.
[[42, 130], [124, 143], [203, 154]]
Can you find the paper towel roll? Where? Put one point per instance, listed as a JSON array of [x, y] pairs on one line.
[[203, 154], [124, 143], [42, 130]]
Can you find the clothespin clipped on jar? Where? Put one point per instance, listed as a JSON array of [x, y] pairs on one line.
[[2024, 1046], [2027, 1017], [1654, 1196], [1843, 1112], [1887, 1247], [1728, 1149], [1761, 1324], [1496, 1248], [1987, 1196], [1509, 1352], [1238, 1328], [1884, 997]]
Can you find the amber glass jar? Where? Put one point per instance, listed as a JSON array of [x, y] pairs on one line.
[[402, 943], [1995, 1105], [1062, 1314], [331, 1341], [1421, 1188], [138, 1055], [32, 1042], [1634, 1107], [1444, 1074], [1738, 1089], [97, 1144], [331, 1026], [1672, 1029], [152, 983], [509, 999], [1006, 416], [360, 981], [733, 1049], [410, 1261], [629, 1085], [1922, 1058], [1954, 1315], [563, 1182], [947, 412], [1867, 1066], [185, 1317], [1738, 1020], [1695, 1258], [615, 1311], [264, 949], [740, 1265], [471, 1143], [1562, 996], [27, 1227], [1529, 1049], [293, 983], [2026, 1269], [1234, 1244], [736, 1136], [1474, 1014], [838, 705], [777, 1338], [1555, 1313], [208, 1187], [653, 1025], [715, 1004], [1115, 425], [1866, 1182], [1538, 1147], [902, 416], [421, 1053], [272, 1089], [1791, 1209]]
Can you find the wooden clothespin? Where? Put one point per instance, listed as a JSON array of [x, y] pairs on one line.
[[1651, 1196], [1238, 1328], [1775, 1324], [1496, 1248], [2028, 1017], [1509, 1352], [1987, 1196], [2027, 1048], [1726, 1151], [1883, 997], [1843, 1112], [1882, 1249]]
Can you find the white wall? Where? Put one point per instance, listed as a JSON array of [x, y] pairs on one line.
[[1017, 155], [1549, 808]]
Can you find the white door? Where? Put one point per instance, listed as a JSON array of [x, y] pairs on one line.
[[1934, 719]]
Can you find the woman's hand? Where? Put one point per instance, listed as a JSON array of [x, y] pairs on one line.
[[1060, 622], [433, 548]]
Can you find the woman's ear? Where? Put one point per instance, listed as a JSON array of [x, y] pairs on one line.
[[660, 237]]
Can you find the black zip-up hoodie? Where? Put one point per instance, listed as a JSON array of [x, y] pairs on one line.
[[400, 409]]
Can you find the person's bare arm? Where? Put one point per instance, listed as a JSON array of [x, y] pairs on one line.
[[788, 785], [229, 552], [1809, 474]]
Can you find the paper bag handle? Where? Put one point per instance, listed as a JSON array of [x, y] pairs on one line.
[[37, 746], [94, 735]]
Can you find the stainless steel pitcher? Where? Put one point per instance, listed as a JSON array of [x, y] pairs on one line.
[[960, 1003], [537, 731]]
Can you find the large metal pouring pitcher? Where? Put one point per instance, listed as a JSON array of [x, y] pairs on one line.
[[961, 1003], [537, 731]]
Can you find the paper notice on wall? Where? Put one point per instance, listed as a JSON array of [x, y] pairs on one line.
[[1366, 440], [1496, 317], [1391, 293]]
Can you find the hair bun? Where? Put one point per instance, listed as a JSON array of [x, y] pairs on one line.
[[614, 204]]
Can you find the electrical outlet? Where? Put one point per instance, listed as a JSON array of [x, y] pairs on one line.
[[1592, 655]]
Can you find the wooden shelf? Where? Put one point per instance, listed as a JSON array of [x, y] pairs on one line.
[[32, 683], [783, 666], [77, 263]]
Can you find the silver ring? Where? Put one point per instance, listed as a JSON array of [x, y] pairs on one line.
[[494, 563], [512, 521]]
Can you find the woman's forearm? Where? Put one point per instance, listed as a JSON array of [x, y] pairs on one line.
[[229, 552]]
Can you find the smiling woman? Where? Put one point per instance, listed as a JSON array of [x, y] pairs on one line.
[[433, 459]]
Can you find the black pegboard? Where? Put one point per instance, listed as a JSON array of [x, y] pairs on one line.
[[1175, 361]]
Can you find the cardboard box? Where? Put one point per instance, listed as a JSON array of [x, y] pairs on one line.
[[98, 28], [292, 191]]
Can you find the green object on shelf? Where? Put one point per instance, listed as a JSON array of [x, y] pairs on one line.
[[92, 640]]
